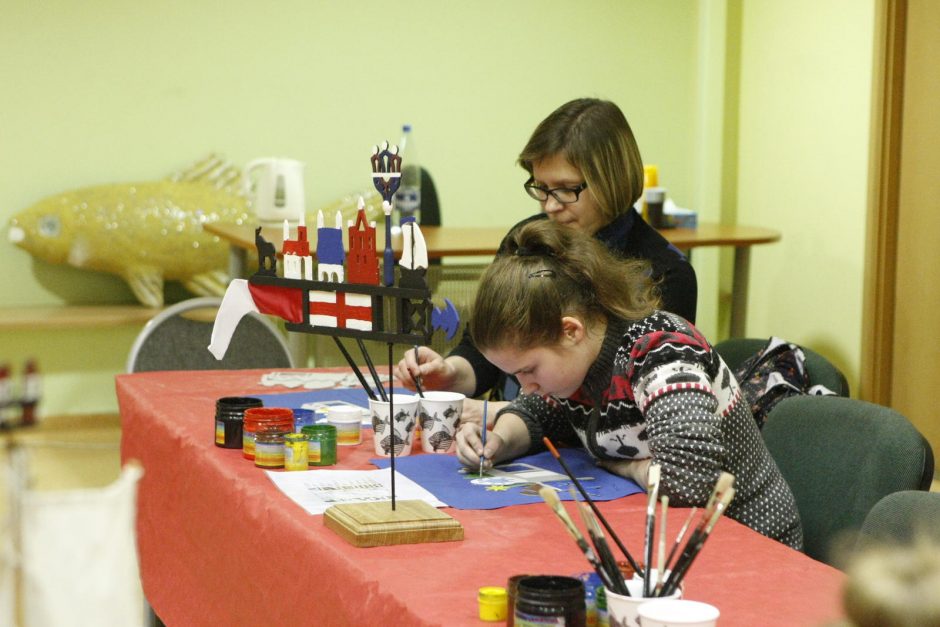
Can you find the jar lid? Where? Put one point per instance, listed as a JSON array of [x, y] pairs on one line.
[[268, 413], [492, 593], [296, 437], [236, 402], [319, 430], [270, 437]]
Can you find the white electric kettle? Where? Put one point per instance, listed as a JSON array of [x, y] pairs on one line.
[[277, 187]]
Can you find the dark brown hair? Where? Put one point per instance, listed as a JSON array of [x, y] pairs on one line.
[[550, 271]]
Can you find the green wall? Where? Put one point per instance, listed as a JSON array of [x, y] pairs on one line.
[[109, 91], [805, 110]]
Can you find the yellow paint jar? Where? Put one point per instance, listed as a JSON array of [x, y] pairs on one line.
[[492, 601], [296, 452]]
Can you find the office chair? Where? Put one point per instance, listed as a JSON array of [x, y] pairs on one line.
[[902, 518], [840, 456], [177, 338], [735, 351]]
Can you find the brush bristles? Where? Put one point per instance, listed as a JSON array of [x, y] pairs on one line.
[[652, 478], [549, 496]]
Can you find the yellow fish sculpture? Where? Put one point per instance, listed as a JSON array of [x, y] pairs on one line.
[[146, 233]]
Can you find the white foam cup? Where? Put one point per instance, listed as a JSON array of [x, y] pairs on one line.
[[623, 609], [677, 613]]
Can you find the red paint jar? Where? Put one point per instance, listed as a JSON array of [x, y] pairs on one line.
[[264, 420]]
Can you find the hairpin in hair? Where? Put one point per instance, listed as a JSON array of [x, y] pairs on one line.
[[544, 272]]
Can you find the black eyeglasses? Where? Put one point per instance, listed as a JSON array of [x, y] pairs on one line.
[[564, 195]]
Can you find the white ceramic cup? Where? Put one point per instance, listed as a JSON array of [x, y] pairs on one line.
[[399, 432], [677, 613], [439, 414], [348, 422], [622, 610]]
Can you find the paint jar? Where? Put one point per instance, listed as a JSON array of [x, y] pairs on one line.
[[512, 586], [491, 601], [269, 448], [321, 445], [229, 416], [348, 422], [304, 418], [264, 419], [550, 599], [595, 603], [296, 453]]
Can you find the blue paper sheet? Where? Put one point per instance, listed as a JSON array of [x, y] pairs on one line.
[[445, 478]]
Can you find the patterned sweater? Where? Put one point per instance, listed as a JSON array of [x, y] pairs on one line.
[[663, 392]]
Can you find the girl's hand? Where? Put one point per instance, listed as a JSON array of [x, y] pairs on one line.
[[470, 446], [435, 373], [636, 469]]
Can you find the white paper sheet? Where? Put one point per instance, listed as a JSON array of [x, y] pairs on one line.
[[316, 490]]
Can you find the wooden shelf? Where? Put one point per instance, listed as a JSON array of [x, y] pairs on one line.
[[70, 317]]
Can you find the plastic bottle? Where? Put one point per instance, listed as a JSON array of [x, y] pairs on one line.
[[31, 392], [407, 200], [6, 397]]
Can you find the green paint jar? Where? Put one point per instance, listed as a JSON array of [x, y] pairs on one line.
[[321, 444]]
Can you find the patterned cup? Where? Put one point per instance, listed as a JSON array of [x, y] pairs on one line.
[[439, 415], [397, 432]]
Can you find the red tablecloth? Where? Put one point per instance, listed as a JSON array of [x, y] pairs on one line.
[[221, 545]]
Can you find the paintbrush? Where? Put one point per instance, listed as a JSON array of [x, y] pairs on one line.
[[725, 481], [696, 542], [549, 495], [483, 434], [675, 545], [417, 379], [590, 502], [652, 494], [722, 485], [375, 375], [355, 368], [607, 558]]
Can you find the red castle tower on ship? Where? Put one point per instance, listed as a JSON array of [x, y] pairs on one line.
[[362, 261], [298, 264]]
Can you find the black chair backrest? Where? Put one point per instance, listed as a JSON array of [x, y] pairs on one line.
[[178, 338], [430, 207], [840, 457]]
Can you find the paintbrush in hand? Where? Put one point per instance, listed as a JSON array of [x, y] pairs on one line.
[[417, 379], [551, 498], [483, 434]]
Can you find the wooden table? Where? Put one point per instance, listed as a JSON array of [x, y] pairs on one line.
[[219, 544], [475, 241]]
